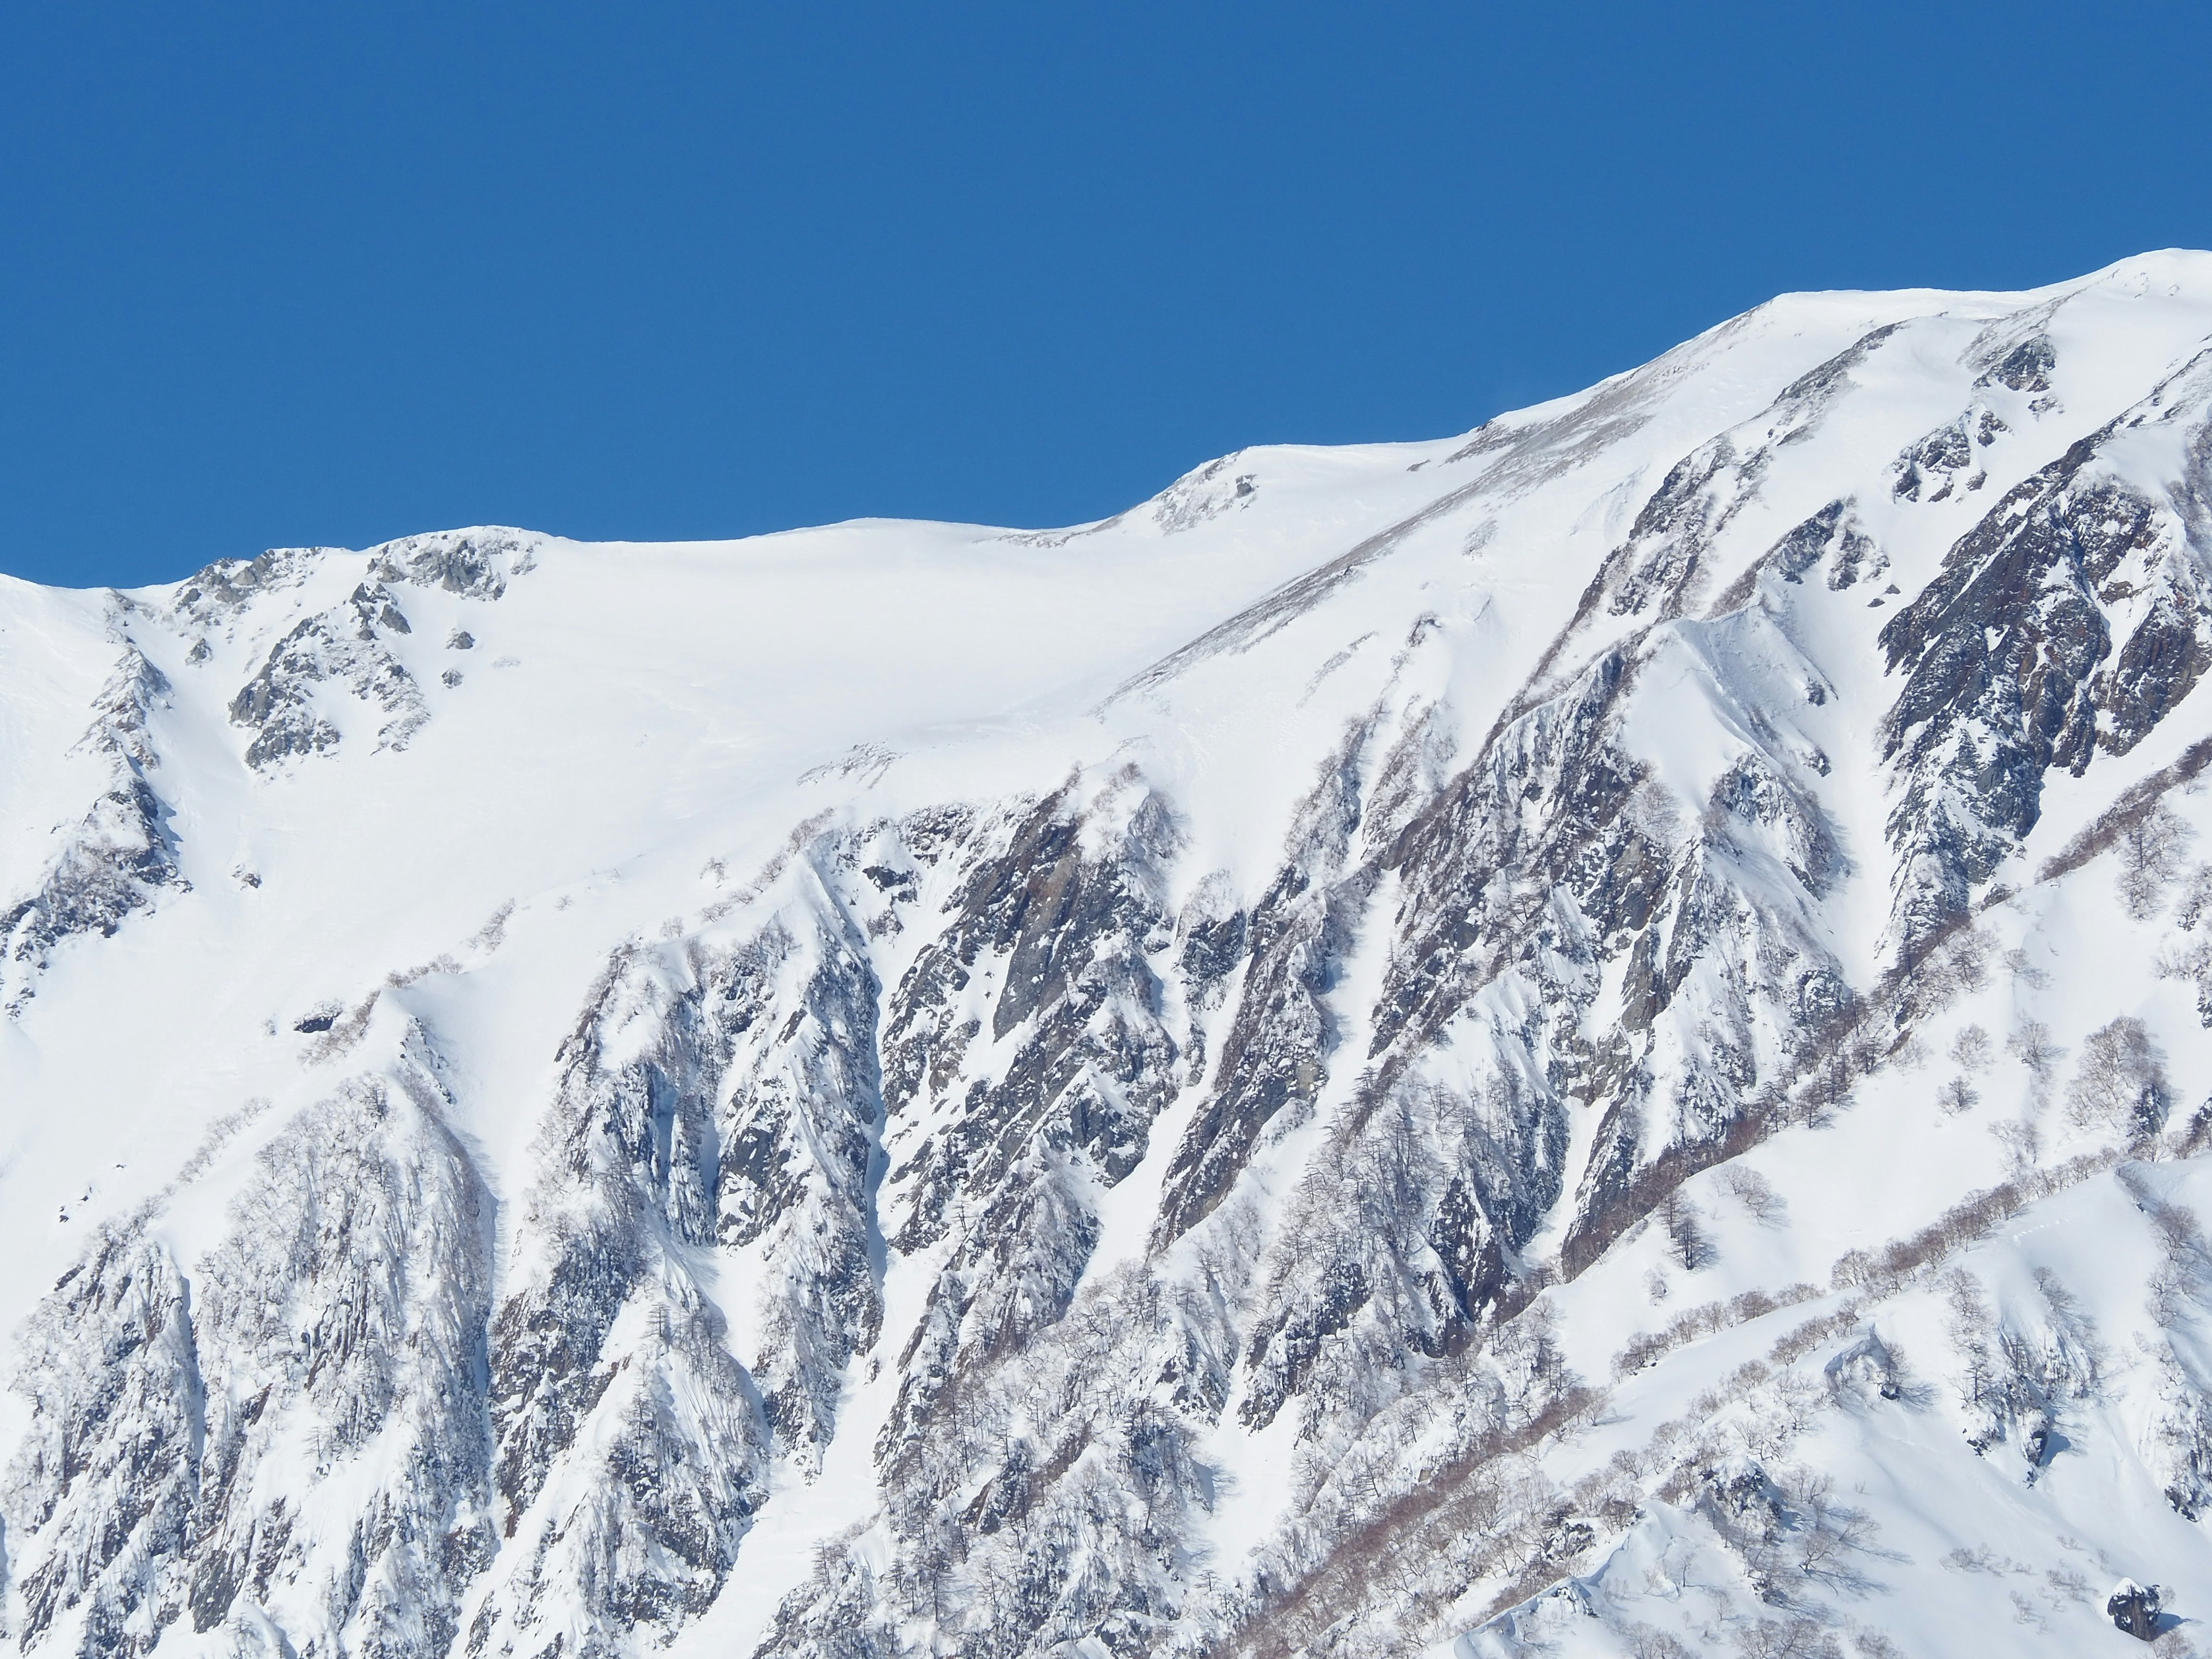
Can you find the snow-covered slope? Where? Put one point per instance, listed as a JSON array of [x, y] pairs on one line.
[[1591, 1038]]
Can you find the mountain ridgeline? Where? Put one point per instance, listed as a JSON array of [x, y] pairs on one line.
[[1594, 1038]]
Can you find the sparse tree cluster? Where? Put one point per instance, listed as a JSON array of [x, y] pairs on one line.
[[2031, 1045], [1754, 1192], [1691, 1323], [2150, 847], [1957, 1097], [1687, 1242], [2121, 1081], [1970, 1049]]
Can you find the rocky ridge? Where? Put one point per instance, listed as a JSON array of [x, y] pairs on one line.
[[1610, 1062]]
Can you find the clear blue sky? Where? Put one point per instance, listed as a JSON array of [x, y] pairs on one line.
[[314, 273]]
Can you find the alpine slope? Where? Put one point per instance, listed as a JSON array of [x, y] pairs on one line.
[[1593, 1038]]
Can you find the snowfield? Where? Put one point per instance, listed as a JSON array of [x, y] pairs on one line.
[[1593, 1038]]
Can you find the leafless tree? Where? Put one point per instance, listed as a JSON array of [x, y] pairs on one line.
[[1754, 1191], [1646, 1642], [2031, 1044], [1689, 1244], [2022, 1141], [1799, 1638], [2150, 848], [1957, 1096], [2122, 1080]]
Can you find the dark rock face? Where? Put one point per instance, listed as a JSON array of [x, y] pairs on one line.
[[2133, 1609], [371, 1344], [116, 858], [2026, 367], [625, 1178], [1946, 450], [346, 644], [1064, 934], [123, 852], [708, 1094], [645, 1532], [2009, 670], [1658, 567], [1211, 490], [1012, 1130], [1833, 530], [218, 591], [1277, 1051], [800, 1136], [1053, 932], [476, 564]]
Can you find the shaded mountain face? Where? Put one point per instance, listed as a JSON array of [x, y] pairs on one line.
[[1593, 1038]]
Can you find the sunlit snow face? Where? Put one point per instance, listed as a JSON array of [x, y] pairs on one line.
[[1580, 1035]]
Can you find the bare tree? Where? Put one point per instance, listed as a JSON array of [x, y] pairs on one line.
[[2195, 898], [1968, 1328], [2022, 1141], [2032, 1046], [1754, 1191], [2150, 849], [1801, 1638], [1971, 1049], [1644, 1642], [1957, 1096], [1689, 1244], [2121, 1081]]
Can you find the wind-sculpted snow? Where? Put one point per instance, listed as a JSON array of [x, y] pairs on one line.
[[1591, 1038]]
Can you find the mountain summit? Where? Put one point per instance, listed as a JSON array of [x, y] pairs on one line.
[[1593, 1038]]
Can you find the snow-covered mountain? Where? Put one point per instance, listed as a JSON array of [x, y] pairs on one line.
[[1593, 1038]]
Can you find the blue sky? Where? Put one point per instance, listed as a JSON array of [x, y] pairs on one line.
[[288, 273]]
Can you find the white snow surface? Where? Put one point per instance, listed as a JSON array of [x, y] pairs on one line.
[[638, 742]]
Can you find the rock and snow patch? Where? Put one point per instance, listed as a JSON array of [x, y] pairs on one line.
[[1586, 1039]]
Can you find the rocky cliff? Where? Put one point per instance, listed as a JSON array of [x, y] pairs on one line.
[[1593, 1038]]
